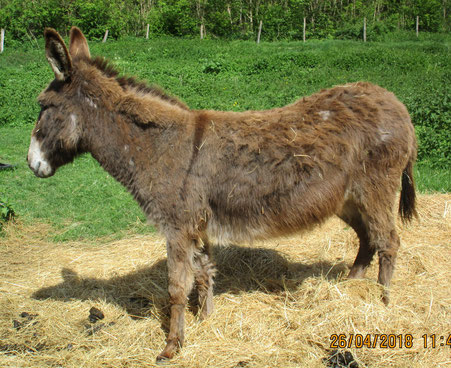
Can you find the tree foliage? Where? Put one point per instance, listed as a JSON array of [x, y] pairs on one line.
[[222, 18]]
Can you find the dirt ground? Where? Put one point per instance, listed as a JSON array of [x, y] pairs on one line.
[[279, 303]]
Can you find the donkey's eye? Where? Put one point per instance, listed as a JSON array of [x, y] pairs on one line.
[[43, 108]]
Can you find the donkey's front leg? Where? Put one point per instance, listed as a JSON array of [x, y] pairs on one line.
[[180, 249]]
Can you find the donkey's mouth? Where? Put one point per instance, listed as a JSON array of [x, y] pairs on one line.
[[41, 169], [43, 175]]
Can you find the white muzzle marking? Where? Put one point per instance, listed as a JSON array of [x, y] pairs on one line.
[[36, 160]]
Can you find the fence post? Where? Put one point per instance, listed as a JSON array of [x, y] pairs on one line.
[[106, 36], [259, 31], [303, 32], [2, 40], [418, 24], [147, 32], [364, 29], [202, 31]]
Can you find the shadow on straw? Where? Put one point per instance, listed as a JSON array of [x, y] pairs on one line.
[[239, 269]]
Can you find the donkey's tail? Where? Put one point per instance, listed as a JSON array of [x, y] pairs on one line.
[[407, 199]]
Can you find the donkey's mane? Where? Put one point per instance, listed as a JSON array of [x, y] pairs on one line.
[[125, 82]]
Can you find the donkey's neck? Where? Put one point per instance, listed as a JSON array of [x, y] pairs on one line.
[[129, 152], [129, 129], [109, 144]]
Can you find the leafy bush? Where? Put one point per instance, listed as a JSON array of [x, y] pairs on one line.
[[25, 19], [350, 31], [212, 66], [178, 20], [6, 213], [375, 31], [432, 118]]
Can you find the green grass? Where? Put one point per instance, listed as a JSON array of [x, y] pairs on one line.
[[82, 201], [429, 179]]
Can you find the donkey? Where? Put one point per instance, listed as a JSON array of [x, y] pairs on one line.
[[231, 176]]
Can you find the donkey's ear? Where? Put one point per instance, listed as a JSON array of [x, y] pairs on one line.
[[78, 45], [57, 54]]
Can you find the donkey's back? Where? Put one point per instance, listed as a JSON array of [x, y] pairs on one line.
[[267, 173]]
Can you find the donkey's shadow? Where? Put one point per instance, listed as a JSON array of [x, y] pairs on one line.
[[239, 269]]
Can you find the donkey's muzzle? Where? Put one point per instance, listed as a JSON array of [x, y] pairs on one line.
[[36, 161]]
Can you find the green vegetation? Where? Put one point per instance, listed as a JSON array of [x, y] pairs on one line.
[[429, 179], [6, 213], [282, 19], [82, 201]]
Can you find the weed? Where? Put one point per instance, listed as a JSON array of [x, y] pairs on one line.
[[6, 213]]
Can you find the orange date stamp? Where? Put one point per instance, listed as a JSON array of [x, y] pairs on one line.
[[387, 341], [382, 341]]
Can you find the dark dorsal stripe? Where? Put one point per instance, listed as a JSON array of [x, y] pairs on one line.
[[125, 82]]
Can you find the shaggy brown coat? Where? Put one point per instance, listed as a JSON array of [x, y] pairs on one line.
[[232, 176]]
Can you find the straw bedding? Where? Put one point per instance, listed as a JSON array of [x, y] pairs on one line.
[[277, 303]]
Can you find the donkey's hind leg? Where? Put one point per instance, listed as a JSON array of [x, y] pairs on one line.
[[387, 258], [377, 213], [373, 221], [352, 216], [204, 273]]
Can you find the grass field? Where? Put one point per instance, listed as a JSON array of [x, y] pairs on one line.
[[81, 201]]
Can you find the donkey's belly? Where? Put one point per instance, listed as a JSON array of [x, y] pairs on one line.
[[276, 215]]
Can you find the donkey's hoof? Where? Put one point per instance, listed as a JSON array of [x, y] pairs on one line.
[[161, 360], [385, 297], [205, 311], [168, 352], [356, 273]]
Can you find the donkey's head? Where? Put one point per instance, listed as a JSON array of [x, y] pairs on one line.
[[56, 138]]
